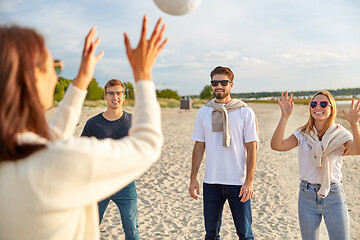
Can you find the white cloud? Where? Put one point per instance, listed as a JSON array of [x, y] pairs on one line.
[[9, 6], [225, 55], [313, 59]]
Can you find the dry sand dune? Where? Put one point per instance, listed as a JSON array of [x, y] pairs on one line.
[[166, 211]]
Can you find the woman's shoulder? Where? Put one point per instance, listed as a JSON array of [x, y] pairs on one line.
[[299, 134]]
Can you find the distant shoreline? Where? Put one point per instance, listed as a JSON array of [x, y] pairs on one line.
[[198, 103]]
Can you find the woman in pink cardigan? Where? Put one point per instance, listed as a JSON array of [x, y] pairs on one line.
[[50, 181]]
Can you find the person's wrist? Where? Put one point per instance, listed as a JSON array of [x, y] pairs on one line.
[[80, 83], [249, 180], [193, 178], [142, 75], [285, 116], [356, 124]]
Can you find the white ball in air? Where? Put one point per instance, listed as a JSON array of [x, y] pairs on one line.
[[177, 7]]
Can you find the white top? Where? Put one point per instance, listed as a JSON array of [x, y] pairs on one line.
[[53, 193], [226, 165], [310, 173]]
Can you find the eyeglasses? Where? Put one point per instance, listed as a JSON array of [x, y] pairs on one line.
[[112, 94], [223, 83], [323, 103]]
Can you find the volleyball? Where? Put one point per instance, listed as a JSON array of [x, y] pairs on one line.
[[177, 7]]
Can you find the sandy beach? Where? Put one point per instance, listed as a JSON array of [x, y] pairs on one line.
[[166, 211]]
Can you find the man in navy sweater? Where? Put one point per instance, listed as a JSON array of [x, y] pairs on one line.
[[115, 123]]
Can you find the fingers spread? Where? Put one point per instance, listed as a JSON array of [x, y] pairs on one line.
[[160, 36], [291, 96], [89, 38], [352, 104], [155, 33], [99, 56], [163, 44], [143, 30], [93, 46], [127, 45]]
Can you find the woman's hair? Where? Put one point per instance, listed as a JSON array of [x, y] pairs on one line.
[[309, 126], [21, 51]]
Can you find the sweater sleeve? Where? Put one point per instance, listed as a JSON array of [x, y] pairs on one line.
[[87, 170], [63, 124]]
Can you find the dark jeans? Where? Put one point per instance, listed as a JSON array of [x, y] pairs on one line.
[[126, 201], [215, 196]]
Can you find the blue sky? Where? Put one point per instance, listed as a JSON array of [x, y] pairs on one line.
[[271, 45]]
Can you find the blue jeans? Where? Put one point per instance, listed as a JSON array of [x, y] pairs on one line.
[[333, 208], [126, 201], [215, 196]]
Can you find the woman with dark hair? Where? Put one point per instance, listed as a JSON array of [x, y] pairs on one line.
[[322, 143], [50, 181]]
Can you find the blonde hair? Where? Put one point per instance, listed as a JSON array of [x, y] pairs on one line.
[[309, 126]]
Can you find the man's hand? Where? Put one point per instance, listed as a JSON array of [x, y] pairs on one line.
[[194, 185], [246, 191]]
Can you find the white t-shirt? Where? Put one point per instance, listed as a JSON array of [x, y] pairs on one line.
[[226, 165], [310, 173]]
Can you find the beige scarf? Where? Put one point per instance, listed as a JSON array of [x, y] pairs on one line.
[[219, 117], [334, 137]]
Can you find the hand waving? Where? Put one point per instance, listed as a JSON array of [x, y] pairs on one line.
[[286, 104], [142, 58], [88, 61], [353, 115]]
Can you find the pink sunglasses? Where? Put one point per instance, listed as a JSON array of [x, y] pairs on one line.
[[322, 103]]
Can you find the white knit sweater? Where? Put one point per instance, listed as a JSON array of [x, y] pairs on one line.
[[53, 193]]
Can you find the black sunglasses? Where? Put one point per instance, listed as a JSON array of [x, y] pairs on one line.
[[224, 83]]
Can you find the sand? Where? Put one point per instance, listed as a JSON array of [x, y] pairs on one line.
[[166, 210]]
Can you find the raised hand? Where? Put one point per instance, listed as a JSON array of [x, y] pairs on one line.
[[142, 58], [88, 61], [353, 115], [286, 104]]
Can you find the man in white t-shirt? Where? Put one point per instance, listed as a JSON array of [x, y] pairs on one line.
[[226, 129]]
